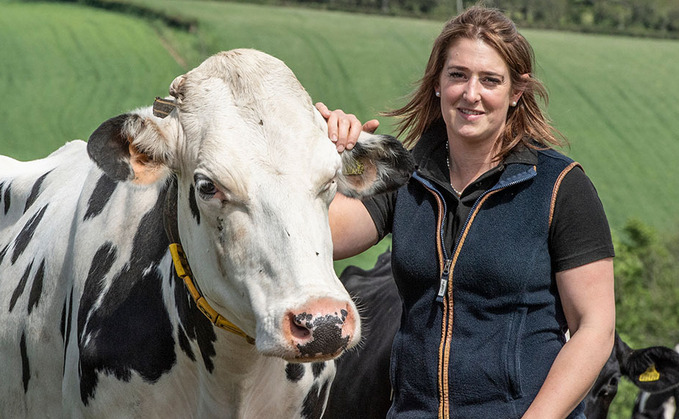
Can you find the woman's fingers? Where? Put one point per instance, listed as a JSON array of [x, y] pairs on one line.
[[344, 128]]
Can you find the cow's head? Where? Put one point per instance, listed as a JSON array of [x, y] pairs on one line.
[[653, 370], [255, 176]]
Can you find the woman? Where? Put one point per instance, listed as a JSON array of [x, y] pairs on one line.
[[500, 243]]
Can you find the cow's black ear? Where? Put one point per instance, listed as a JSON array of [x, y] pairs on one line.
[[653, 369], [134, 147], [376, 164], [109, 147]]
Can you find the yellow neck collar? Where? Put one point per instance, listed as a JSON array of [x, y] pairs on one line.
[[181, 265]]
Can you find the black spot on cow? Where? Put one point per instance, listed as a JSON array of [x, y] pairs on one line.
[[62, 324], [3, 252], [66, 328], [26, 234], [294, 372], [8, 198], [102, 262], [184, 343], [194, 323], [193, 204], [130, 328], [100, 196], [19, 290], [317, 368], [36, 288], [25, 367], [35, 191], [313, 402]]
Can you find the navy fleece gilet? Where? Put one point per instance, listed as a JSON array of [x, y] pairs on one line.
[[506, 324]]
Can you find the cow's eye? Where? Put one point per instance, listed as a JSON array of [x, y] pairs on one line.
[[205, 187], [329, 189]]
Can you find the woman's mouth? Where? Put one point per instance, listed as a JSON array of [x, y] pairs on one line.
[[470, 112]]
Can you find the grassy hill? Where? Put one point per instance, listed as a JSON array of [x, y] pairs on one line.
[[72, 67], [66, 68]]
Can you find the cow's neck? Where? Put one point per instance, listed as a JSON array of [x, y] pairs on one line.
[[245, 383], [183, 270]]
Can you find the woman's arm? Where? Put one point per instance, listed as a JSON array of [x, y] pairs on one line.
[[587, 296], [352, 227]]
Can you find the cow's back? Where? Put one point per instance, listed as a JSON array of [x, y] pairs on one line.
[[37, 206], [62, 221]]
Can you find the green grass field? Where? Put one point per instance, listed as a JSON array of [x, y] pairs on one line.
[[65, 68]]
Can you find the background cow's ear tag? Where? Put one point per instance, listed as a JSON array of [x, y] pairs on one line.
[[651, 374], [163, 107], [354, 168]]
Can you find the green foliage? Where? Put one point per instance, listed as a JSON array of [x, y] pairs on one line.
[[647, 296]]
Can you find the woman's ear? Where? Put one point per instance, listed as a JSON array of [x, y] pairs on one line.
[[518, 91]]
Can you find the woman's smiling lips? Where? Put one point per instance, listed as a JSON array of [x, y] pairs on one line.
[[469, 113]]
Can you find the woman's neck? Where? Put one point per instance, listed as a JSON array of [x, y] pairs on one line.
[[468, 161]]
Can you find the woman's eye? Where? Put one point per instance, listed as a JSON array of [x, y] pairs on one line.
[[205, 187], [456, 75], [491, 81]]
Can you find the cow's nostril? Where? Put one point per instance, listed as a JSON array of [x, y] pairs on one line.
[[297, 328]]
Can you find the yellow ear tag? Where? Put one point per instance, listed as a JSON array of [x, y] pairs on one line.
[[651, 374], [354, 168]]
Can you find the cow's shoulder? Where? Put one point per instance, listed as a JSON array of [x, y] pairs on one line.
[[131, 296]]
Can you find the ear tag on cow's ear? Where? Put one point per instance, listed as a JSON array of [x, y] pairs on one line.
[[163, 107], [651, 374], [353, 168]]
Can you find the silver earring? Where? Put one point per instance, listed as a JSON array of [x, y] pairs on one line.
[[438, 94]]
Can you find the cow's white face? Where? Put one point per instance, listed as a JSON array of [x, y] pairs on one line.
[[256, 174]]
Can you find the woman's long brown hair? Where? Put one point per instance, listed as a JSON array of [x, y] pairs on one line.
[[525, 123]]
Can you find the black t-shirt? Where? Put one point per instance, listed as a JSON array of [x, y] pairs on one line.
[[579, 232]]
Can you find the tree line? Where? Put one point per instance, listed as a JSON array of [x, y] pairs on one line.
[[656, 18]]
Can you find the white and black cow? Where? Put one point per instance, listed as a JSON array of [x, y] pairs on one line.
[[653, 370], [94, 320], [361, 387], [661, 405]]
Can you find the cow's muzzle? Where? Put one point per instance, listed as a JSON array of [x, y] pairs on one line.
[[321, 329]]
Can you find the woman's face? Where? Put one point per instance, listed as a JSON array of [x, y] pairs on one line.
[[476, 91]]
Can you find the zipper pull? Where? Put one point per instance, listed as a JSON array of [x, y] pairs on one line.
[[444, 280]]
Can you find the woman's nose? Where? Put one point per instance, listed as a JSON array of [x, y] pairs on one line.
[[472, 91]]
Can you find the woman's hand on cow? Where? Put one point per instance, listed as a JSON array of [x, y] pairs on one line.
[[343, 128]]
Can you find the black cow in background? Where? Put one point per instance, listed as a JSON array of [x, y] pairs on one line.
[[653, 370], [361, 388], [661, 405]]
